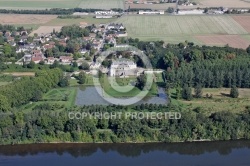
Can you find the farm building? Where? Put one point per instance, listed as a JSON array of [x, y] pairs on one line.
[[151, 12], [186, 12], [110, 12], [103, 16]]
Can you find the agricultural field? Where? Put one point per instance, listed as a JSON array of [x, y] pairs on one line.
[[38, 4], [14, 19], [175, 29], [101, 4], [47, 4], [46, 29], [224, 3], [222, 40], [244, 21]]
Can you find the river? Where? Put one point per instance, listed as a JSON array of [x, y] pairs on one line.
[[230, 153]]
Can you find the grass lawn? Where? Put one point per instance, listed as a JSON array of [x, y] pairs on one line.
[[219, 102], [89, 81], [125, 87]]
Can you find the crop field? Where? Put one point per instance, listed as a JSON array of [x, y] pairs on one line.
[[180, 25], [46, 29], [101, 4], [244, 21], [224, 3], [38, 4], [47, 4], [25, 18], [175, 29], [222, 40]]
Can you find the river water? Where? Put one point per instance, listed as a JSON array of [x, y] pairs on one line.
[[231, 153]]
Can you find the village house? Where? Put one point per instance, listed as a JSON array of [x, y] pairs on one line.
[[121, 34], [37, 59], [27, 58], [50, 60], [66, 59], [114, 26], [83, 51], [95, 65], [48, 46], [7, 34]]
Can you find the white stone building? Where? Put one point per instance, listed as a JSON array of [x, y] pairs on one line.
[[123, 68]]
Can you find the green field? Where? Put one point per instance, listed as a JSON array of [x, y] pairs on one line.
[[175, 29], [43, 4], [86, 19], [220, 101]]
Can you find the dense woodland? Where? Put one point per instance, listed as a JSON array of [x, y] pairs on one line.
[[42, 125], [187, 64], [27, 89]]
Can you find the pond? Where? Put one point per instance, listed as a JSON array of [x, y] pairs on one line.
[[88, 95]]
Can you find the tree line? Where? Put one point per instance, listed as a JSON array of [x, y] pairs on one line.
[[45, 125], [54, 11]]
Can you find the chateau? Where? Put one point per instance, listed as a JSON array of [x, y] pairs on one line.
[[123, 68]]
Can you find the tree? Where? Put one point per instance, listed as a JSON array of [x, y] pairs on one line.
[[4, 104], [41, 63], [141, 81], [55, 64], [75, 64], [170, 10], [178, 92], [169, 59], [82, 77], [187, 93], [64, 82], [198, 91], [31, 65], [37, 95], [234, 92], [85, 66]]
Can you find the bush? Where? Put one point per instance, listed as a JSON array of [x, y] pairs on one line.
[[234, 93]]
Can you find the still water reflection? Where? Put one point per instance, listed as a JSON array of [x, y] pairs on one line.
[[231, 153]]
